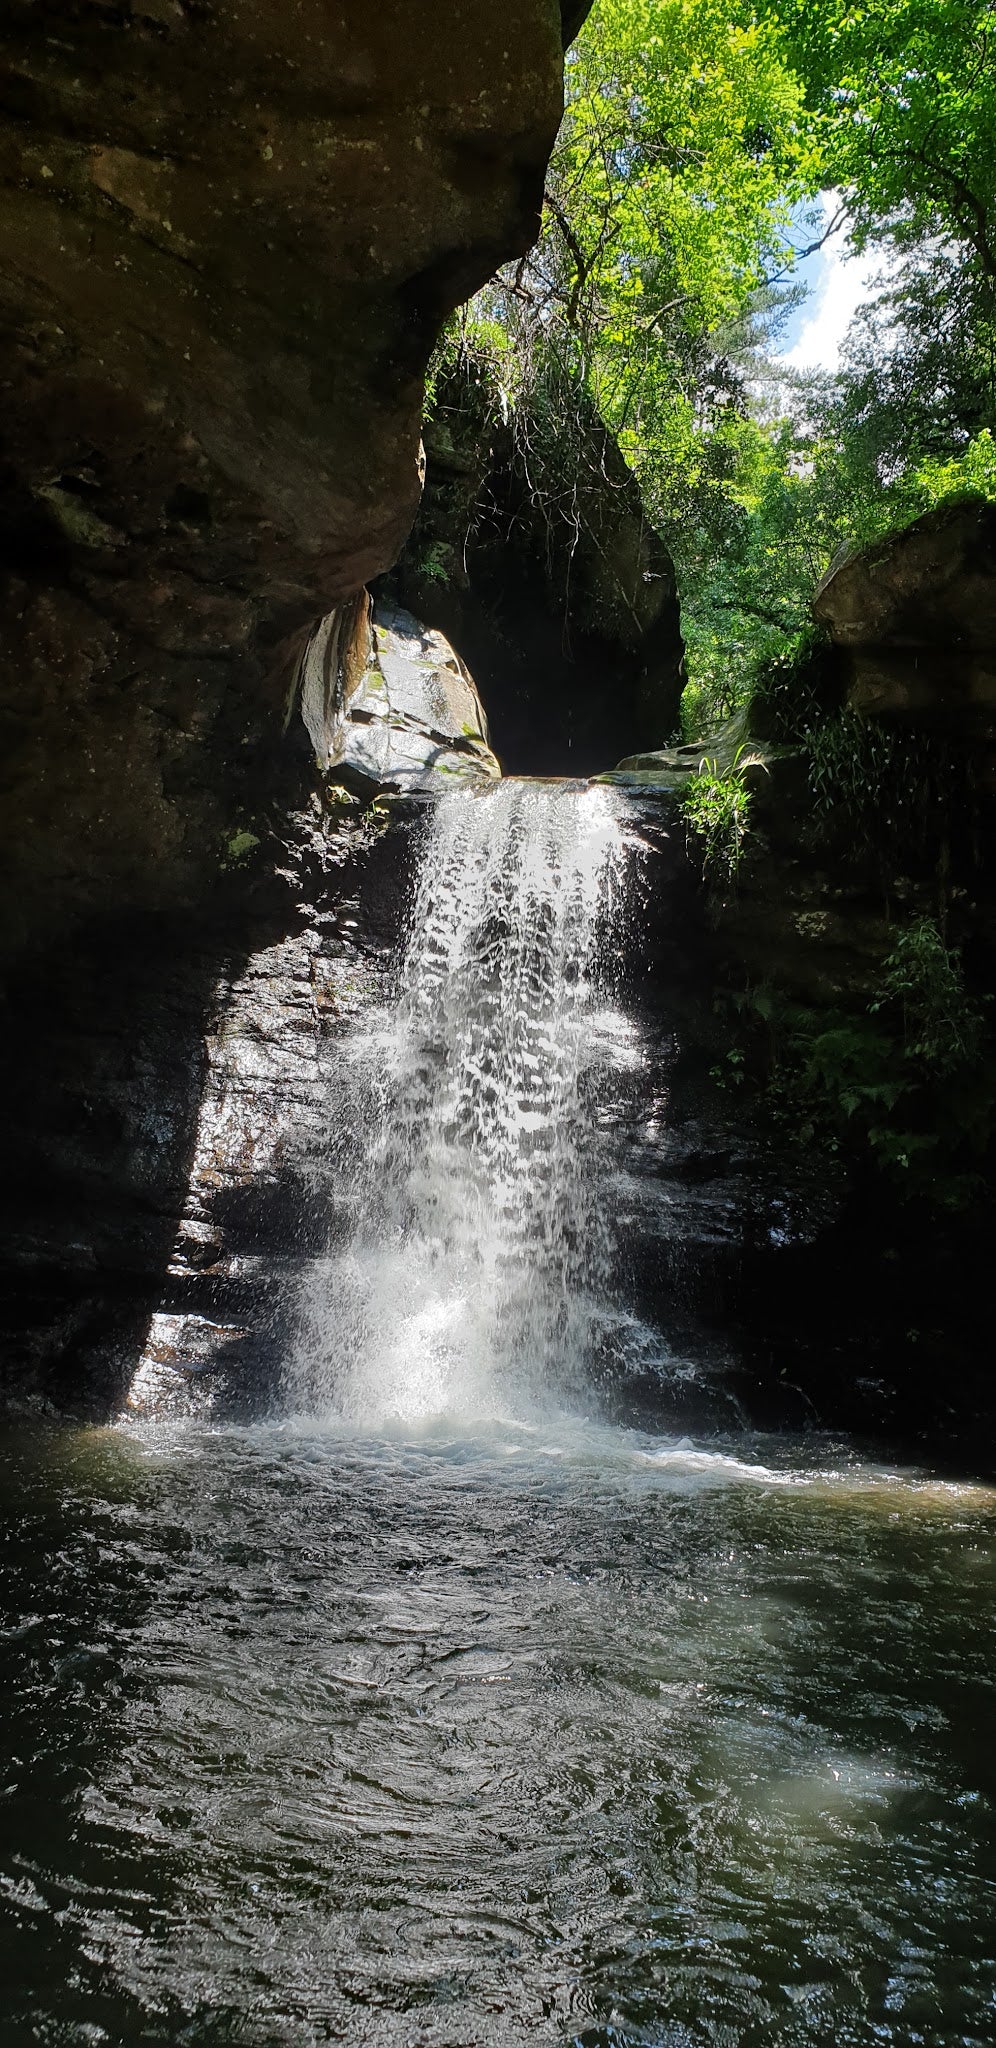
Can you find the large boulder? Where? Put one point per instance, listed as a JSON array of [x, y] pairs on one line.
[[389, 706], [915, 616]]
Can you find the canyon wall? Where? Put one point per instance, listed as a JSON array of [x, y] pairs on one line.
[[228, 237]]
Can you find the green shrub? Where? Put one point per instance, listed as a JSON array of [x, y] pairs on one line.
[[697, 714], [795, 691], [717, 810], [889, 786], [941, 1025], [435, 562], [906, 1086], [972, 473]]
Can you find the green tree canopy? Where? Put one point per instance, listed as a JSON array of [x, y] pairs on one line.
[[695, 132], [901, 100]]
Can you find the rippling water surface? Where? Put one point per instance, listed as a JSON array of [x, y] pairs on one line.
[[555, 1735]]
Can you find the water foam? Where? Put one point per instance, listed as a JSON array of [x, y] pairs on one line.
[[476, 1275]]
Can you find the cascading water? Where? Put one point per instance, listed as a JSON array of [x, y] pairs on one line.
[[458, 1722], [477, 1267]]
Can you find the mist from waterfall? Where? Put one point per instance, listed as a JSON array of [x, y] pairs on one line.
[[471, 1270]]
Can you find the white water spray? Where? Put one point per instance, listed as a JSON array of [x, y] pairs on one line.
[[476, 1275]]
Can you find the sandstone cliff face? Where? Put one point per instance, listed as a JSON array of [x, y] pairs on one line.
[[228, 235]]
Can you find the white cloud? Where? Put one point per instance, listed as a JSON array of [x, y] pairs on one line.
[[840, 284], [842, 289]]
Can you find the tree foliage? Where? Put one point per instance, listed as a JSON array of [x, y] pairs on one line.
[[672, 181], [696, 133], [901, 104]]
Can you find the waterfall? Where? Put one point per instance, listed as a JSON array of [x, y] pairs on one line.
[[472, 1267]]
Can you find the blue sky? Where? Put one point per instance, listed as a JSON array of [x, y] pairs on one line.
[[837, 284]]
